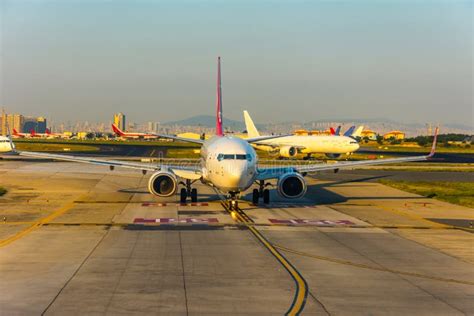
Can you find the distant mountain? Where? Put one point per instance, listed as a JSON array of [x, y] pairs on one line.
[[208, 121]]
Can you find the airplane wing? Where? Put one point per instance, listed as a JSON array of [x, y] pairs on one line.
[[261, 138], [94, 161], [183, 171], [275, 172]]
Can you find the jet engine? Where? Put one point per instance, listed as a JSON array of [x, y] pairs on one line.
[[288, 152], [333, 156], [291, 185], [162, 184]]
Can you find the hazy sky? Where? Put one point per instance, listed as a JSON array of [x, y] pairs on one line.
[[411, 61]]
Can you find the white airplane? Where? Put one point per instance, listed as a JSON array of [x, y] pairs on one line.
[[228, 164], [290, 146]]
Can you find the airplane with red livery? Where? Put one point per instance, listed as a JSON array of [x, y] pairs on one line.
[[47, 134], [17, 134], [123, 134]]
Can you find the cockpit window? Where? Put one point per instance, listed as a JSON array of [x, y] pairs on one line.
[[221, 157]]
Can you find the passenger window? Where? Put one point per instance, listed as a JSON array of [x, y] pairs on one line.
[[220, 157]]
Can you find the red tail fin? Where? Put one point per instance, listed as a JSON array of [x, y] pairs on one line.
[[433, 147], [117, 130], [219, 131], [48, 132], [333, 132], [15, 132], [32, 132]]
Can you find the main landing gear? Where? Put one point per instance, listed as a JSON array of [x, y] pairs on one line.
[[188, 191], [261, 192]]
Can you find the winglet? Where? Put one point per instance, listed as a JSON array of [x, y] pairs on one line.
[[219, 131], [433, 147]]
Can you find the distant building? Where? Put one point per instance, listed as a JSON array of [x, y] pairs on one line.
[[41, 125], [369, 134], [394, 135], [3, 128], [152, 127], [10, 122], [29, 124], [119, 121]]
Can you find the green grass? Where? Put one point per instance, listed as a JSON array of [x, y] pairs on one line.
[[54, 147], [440, 148], [2, 191], [461, 193]]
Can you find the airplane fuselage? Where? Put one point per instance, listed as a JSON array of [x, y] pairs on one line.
[[228, 163], [314, 144]]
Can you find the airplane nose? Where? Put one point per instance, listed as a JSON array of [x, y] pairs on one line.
[[235, 175]]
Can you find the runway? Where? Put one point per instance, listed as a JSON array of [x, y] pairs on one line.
[[83, 239]]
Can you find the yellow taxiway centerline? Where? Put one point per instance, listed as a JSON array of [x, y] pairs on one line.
[[37, 224], [299, 299]]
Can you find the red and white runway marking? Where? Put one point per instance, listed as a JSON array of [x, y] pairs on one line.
[[312, 222], [168, 220]]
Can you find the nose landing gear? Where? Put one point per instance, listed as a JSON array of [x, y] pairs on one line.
[[233, 203], [188, 191]]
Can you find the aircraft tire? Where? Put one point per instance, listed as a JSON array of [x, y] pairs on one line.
[[255, 196], [266, 196], [183, 195], [194, 195]]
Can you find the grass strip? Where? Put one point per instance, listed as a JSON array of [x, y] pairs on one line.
[[460, 193]]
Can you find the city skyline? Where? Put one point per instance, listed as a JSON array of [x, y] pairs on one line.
[[403, 61]]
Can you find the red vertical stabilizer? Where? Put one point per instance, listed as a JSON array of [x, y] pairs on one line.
[[219, 131]]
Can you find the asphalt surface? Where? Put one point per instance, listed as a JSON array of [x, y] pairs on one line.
[[86, 240]]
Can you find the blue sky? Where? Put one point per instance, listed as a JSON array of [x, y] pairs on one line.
[[410, 61]]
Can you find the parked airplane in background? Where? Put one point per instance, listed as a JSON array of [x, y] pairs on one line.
[[289, 147], [47, 134], [33, 134], [123, 134], [17, 134], [228, 164]]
